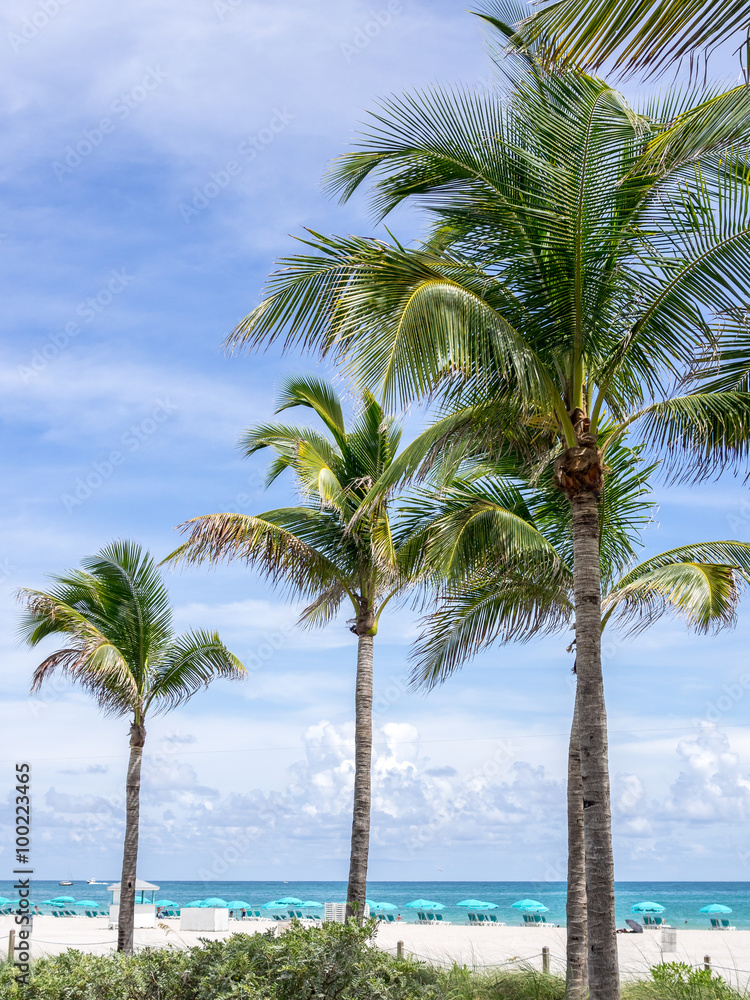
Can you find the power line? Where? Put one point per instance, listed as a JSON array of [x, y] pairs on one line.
[[382, 743]]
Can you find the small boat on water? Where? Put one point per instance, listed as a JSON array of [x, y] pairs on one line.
[[65, 882], [93, 881]]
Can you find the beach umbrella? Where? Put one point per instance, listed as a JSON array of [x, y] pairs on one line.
[[237, 904], [164, 902], [4, 900], [85, 902], [289, 901], [424, 904], [648, 907], [530, 905], [310, 904], [715, 908], [196, 902], [381, 906], [213, 901], [62, 899], [477, 904]]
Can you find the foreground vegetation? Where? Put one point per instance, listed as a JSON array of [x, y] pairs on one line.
[[318, 963]]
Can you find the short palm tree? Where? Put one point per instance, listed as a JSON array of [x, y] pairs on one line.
[[502, 553], [585, 273], [328, 550], [116, 621]]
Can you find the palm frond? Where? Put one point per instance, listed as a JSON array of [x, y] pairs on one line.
[[192, 661], [645, 35]]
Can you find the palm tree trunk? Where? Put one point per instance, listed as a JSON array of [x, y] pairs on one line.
[[130, 850], [577, 959], [604, 978], [356, 892]]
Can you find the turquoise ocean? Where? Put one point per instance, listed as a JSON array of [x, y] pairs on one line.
[[682, 900]]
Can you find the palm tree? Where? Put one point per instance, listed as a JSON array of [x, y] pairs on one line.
[[116, 620], [585, 271], [329, 550], [502, 552]]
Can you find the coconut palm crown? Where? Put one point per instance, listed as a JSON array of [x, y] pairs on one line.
[[115, 619], [332, 549]]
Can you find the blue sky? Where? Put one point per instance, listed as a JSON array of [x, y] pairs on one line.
[[156, 158]]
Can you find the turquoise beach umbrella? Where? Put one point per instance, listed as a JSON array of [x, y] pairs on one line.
[[85, 902], [381, 906], [164, 902], [477, 904], [4, 900], [530, 905], [56, 900], [648, 907], [213, 901], [237, 904], [289, 901], [310, 904], [715, 908], [424, 904], [196, 902]]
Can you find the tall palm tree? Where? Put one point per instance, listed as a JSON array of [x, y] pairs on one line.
[[502, 552], [116, 620], [329, 550], [587, 266]]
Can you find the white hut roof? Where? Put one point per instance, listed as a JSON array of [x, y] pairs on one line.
[[139, 885]]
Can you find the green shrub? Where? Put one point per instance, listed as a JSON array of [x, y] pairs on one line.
[[679, 981]]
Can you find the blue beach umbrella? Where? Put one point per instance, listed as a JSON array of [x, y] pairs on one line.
[[4, 900], [477, 904], [530, 906], [62, 899], [424, 904], [237, 904], [213, 901], [310, 904], [380, 906], [164, 902], [289, 901], [85, 902], [196, 902], [648, 907], [715, 908]]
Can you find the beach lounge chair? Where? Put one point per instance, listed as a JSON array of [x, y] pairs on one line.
[[472, 918], [715, 923], [430, 917], [726, 926], [390, 918], [494, 920], [440, 920]]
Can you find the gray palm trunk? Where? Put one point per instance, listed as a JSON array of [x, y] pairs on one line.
[[356, 892], [577, 938], [126, 920], [604, 977]]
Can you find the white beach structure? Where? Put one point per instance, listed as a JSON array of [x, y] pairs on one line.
[[145, 908], [204, 918]]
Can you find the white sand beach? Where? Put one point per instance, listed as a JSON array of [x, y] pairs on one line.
[[471, 946]]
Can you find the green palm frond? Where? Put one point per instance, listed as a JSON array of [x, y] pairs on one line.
[[699, 434], [191, 662], [502, 608], [646, 35], [703, 595], [285, 544]]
